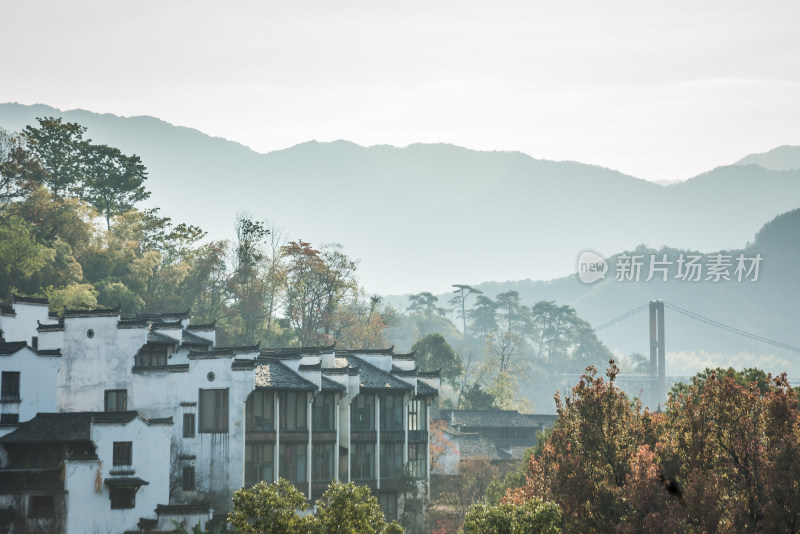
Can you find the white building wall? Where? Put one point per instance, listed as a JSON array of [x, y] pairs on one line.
[[37, 383], [88, 497], [91, 365], [22, 326]]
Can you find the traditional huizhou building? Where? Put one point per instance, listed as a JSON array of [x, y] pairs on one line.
[[235, 415]]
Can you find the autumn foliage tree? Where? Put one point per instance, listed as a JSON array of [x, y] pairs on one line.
[[723, 457]]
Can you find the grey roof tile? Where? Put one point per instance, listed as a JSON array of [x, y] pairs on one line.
[[64, 427], [370, 377], [272, 374]]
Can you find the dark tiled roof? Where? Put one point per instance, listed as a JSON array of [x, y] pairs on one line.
[[17, 482], [193, 339], [355, 352], [173, 368], [63, 427], [331, 385], [99, 312], [49, 352], [58, 327], [370, 377], [430, 374], [487, 418], [310, 367], [403, 372], [209, 326], [475, 446], [424, 390], [30, 300], [166, 325], [199, 508], [132, 323], [409, 356], [11, 347], [163, 316], [160, 339], [125, 482], [210, 354], [297, 352], [272, 374]]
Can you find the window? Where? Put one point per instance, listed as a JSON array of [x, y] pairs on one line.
[[35, 342], [417, 415], [187, 480], [258, 463], [392, 412], [417, 460], [116, 400], [213, 410], [188, 425], [152, 356], [391, 460], [292, 411], [322, 464], [9, 418], [292, 461], [123, 453], [324, 412], [260, 409], [42, 506], [362, 466], [362, 413], [123, 498], [388, 502], [9, 388]]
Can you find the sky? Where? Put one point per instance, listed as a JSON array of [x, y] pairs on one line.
[[658, 90]]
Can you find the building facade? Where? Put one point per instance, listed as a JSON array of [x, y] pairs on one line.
[[235, 415]]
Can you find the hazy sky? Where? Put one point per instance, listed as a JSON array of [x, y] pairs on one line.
[[660, 90]]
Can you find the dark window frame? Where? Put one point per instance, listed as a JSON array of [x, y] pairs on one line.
[[10, 385], [41, 506], [189, 425], [362, 413], [120, 397], [122, 498], [219, 399], [188, 478], [323, 412], [123, 453]]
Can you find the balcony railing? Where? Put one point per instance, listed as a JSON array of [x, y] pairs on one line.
[[418, 436]]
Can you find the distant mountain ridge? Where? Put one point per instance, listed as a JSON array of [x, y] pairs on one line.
[[426, 216]]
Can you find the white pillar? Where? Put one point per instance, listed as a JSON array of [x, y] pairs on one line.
[[350, 442], [309, 401], [378, 440], [405, 427], [276, 453], [428, 448], [336, 445]]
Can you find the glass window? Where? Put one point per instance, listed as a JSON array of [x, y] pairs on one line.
[[9, 387], [417, 460], [388, 502], [322, 463], [260, 411], [187, 480], [362, 413], [293, 410], [417, 415], [324, 412], [116, 400], [391, 460], [188, 425], [292, 461], [123, 498], [152, 356], [363, 461], [213, 410], [123, 452], [392, 412], [258, 463]]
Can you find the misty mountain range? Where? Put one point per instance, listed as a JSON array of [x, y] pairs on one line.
[[427, 216]]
